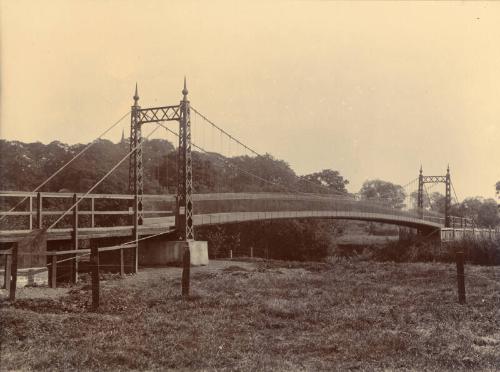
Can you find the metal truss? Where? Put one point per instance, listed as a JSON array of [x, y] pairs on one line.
[[180, 113], [157, 114], [184, 213], [436, 179]]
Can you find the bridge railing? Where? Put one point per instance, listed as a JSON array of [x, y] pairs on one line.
[[40, 210], [268, 202], [99, 210]]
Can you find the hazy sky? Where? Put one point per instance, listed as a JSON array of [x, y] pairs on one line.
[[370, 89]]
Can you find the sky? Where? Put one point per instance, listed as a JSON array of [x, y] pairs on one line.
[[371, 89]]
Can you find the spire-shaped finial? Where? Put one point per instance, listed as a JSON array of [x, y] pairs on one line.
[[448, 169], [136, 96], [185, 91], [421, 170]]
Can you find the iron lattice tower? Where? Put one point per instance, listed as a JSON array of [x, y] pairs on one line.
[[135, 173], [184, 215], [436, 179], [184, 206]]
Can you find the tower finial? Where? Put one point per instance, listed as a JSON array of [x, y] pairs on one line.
[[136, 96], [421, 170], [448, 169], [185, 91]]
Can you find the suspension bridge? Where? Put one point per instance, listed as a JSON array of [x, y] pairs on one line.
[[66, 220]]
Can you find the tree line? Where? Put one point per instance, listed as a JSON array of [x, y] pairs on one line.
[[24, 166]]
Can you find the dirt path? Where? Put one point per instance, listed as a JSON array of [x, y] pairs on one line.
[[145, 274]]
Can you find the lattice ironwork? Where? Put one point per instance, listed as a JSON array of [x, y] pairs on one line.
[[136, 171], [180, 113], [436, 179], [156, 114], [184, 213]]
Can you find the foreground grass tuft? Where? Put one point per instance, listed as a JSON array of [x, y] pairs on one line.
[[276, 316]]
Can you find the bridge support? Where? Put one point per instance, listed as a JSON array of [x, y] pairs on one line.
[[422, 180], [159, 251], [136, 172], [184, 210], [447, 202], [420, 196]]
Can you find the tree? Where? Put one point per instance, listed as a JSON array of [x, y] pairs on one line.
[[391, 194], [327, 179], [488, 214], [498, 189]]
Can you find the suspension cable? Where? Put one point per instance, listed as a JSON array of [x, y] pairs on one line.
[[85, 149], [102, 179], [222, 131], [453, 188], [224, 160]]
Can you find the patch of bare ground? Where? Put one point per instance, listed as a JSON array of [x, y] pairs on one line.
[[265, 315]]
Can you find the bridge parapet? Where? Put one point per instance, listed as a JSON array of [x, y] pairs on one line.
[[450, 234], [43, 206]]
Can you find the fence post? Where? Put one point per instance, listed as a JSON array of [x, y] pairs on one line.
[[74, 241], [39, 210], [31, 213], [459, 256], [53, 276], [8, 260], [92, 214], [13, 269], [231, 254], [94, 272], [251, 252], [122, 268]]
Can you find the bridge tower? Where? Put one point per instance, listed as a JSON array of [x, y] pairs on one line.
[[184, 210], [135, 171], [447, 203], [435, 179], [192, 251], [420, 199]]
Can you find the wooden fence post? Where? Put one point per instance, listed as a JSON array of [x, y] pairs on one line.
[[53, 276], [122, 264], [31, 213], [39, 220], [13, 282], [8, 260], [74, 242], [92, 212], [459, 256], [94, 272]]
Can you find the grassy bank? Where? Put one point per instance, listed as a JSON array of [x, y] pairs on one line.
[[264, 316]]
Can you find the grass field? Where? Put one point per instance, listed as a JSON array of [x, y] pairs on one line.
[[256, 316]]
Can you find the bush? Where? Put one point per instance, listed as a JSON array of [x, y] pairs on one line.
[[479, 252], [298, 240]]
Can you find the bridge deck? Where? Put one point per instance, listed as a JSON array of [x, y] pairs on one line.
[[160, 224]]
